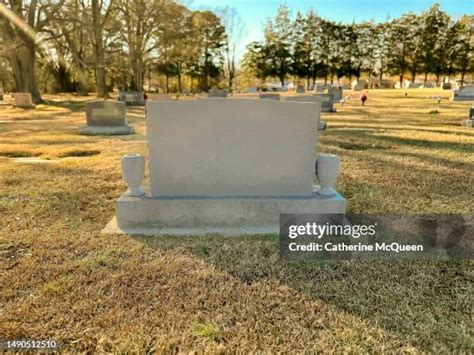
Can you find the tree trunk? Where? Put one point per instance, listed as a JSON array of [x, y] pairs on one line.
[[401, 81], [178, 72], [99, 51], [426, 77], [138, 75], [23, 64], [167, 84]]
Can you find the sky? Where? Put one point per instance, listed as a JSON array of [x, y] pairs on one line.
[[255, 12]]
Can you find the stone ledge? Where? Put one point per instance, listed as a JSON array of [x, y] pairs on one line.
[[463, 98], [213, 215], [87, 130]]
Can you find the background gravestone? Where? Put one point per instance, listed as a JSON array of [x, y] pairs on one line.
[[266, 96], [132, 98], [106, 118], [319, 88], [300, 89], [337, 93], [327, 102], [23, 100], [252, 90], [470, 121], [466, 93], [217, 93]]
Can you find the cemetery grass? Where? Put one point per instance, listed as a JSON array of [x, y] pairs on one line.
[[62, 280]]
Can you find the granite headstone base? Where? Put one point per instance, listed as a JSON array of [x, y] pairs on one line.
[[146, 215]]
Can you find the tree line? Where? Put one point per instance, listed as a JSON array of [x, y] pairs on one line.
[[84, 45], [310, 47]]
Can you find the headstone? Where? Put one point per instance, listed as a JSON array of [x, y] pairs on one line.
[[470, 121], [106, 118], [337, 93], [446, 86], [324, 106], [217, 93], [132, 98], [466, 93], [319, 88], [326, 100], [227, 166], [266, 96], [252, 90], [23, 100], [187, 92], [300, 89]]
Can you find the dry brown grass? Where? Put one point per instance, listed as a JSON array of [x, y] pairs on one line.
[[62, 280]]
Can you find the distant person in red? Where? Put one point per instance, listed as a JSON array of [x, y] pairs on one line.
[[363, 98]]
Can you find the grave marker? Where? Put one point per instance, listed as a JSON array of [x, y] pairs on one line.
[[132, 98], [470, 121], [106, 118], [227, 166], [266, 96], [466, 93], [23, 100], [300, 89]]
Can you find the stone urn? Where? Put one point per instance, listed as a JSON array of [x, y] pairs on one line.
[[133, 171], [327, 171]]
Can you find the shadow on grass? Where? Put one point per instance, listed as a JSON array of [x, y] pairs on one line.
[[346, 139], [74, 106], [425, 304]]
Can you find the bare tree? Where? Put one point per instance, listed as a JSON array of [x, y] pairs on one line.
[[20, 23], [235, 31]]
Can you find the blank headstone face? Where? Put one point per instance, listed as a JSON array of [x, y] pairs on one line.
[[23, 99], [336, 92], [231, 147], [105, 114], [467, 90], [217, 93]]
